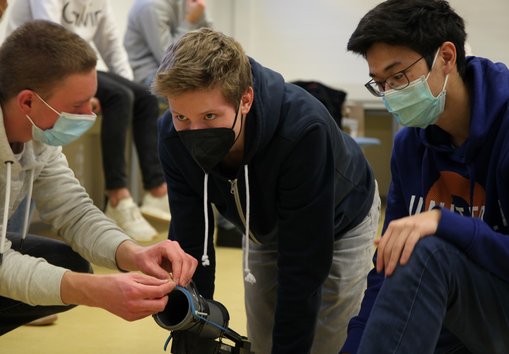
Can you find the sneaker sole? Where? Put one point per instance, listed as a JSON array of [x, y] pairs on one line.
[[156, 213]]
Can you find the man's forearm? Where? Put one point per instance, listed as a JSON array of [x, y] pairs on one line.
[[125, 255], [75, 289]]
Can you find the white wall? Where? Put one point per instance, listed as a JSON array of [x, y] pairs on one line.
[[306, 39]]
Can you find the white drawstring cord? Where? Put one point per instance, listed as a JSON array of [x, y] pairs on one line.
[[5, 218], [249, 276], [205, 258], [27, 209]]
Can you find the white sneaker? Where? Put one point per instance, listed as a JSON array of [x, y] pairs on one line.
[[128, 217], [156, 207]]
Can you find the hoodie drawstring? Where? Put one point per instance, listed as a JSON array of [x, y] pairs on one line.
[[249, 276], [27, 209], [5, 218], [205, 258]]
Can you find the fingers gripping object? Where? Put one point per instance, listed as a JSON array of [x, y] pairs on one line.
[[198, 325]]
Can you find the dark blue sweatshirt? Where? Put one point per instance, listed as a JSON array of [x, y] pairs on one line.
[[469, 183], [309, 183]]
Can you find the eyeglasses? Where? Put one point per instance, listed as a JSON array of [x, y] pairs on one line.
[[397, 81]]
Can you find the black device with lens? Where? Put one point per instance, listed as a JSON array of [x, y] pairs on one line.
[[199, 325]]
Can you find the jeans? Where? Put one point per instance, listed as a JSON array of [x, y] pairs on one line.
[[341, 292], [14, 313], [439, 302], [124, 102]]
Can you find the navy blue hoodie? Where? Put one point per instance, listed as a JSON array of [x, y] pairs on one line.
[[309, 183], [469, 183]]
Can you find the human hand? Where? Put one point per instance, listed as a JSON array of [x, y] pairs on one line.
[[195, 9], [158, 260], [400, 238], [131, 296]]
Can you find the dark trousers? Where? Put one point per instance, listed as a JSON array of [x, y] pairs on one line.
[[125, 102], [14, 313], [439, 302]]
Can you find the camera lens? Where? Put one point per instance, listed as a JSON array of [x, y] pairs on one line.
[[188, 310]]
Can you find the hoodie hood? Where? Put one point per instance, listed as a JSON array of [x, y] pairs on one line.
[[488, 83], [261, 124], [263, 118]]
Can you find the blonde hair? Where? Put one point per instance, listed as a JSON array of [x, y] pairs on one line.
[[204, 59]]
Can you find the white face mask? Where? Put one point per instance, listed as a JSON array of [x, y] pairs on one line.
[[66, 129], [415, 105]]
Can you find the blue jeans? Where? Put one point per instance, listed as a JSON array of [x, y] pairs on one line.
[[440, 302]]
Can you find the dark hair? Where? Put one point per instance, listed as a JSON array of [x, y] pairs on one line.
[[204, 59], [421, 25], [39, 54]]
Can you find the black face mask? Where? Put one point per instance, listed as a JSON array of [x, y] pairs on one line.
[[208, 147]]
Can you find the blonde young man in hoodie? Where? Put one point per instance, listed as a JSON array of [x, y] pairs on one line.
[[272, 160], [47, 79]]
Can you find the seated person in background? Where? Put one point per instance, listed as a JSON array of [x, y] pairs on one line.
[[152, 26], [441, 283], [47, 78], [122, 102], [272, 160]]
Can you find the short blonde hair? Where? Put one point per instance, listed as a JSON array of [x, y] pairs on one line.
[[204, 59]]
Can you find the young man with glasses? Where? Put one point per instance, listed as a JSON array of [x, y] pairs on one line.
[[441, 277]]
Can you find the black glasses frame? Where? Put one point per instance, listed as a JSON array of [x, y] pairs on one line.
[[374, 86]]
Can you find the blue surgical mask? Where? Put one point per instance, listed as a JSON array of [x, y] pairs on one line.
[[415, 105], [66, 129]]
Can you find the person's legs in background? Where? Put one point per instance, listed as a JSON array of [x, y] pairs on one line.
[[144, 128], [121, 105]]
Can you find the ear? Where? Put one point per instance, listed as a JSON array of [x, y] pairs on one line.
[[448, 55], [24, 101], [246, 100]]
